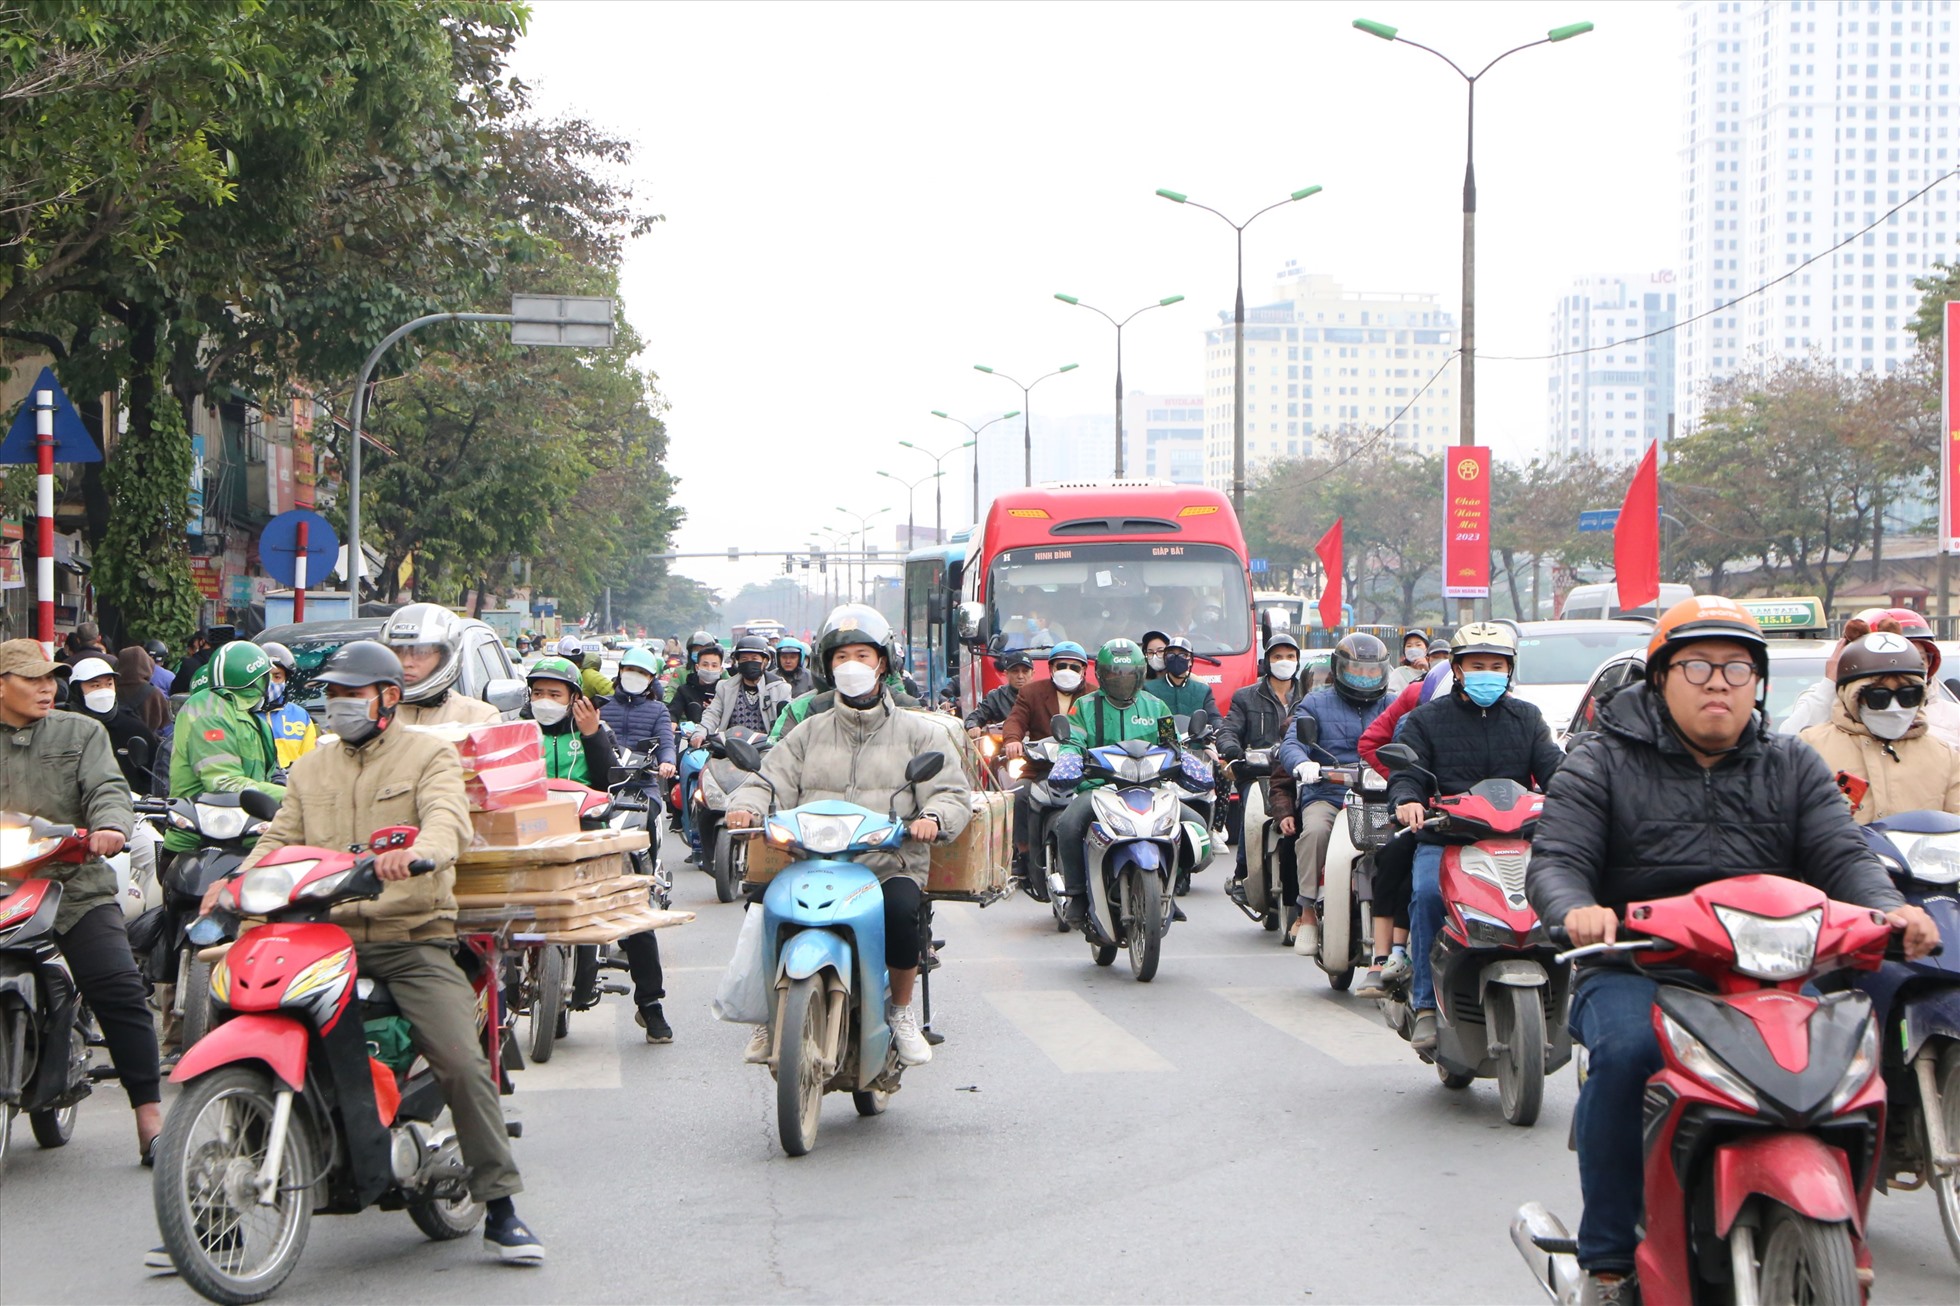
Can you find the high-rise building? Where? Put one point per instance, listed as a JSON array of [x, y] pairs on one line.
[[1322, 359], [1802, 123], [1078, 448], [1164, 437], [1612, 374]]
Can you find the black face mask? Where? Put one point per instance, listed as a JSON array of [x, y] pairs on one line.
[[750, 671], [1177, 664]]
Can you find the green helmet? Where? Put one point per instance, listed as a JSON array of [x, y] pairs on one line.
[[240, 670], [555, 668], [639, 659], [1120, 669], [200, 679]]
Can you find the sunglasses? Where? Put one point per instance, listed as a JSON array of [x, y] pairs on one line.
[[1878, 697], [1700, 672], [1067, 666]]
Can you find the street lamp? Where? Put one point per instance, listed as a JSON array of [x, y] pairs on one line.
[[1162, 303], [911, 531], [1238, 333], [976, 453], [938, 516], [1027, 405], [840, 545], [1467, 348], [864, 520]]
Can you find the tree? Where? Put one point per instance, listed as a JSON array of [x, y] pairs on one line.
[[1939, 285]]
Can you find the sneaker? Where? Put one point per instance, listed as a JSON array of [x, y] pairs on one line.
[[1608, 1290], [1371, 984], [1177, 912], [1423, 1037], [157, 1261], [1397, 971], [1074, 913], [654, 1023], [1306, 938], [1235, 890], [913, 1050], [511, 1242], [757, 1053]]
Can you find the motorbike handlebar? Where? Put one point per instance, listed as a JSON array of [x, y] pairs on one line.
[[421, 866]]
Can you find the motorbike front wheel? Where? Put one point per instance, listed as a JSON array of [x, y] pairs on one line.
[[800, 1070], [1520, 1027], [228, 1246], [1805, 1260], [1946, 1187], [195, 993], [1145, 936], [547, 999], [871, 1101], [727, 882]]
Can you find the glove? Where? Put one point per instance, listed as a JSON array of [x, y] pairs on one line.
[[1307, 773], [1067, 769]]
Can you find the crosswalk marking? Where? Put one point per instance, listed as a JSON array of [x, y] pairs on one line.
[[588, 1059], [1346, 1030], [1074, 1035]]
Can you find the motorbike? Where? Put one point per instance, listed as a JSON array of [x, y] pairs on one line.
[[286, 1108], [1266, 900], [1195, 732], [228, 825], [1917, 1006], [823, 931], [1763, 1125], [44, 1024], [728, 859], [1046, 802], [1501, 989], [634, 805], [1138, 843], [1344, 898]]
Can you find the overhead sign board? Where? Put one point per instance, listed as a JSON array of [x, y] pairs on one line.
[[1599, 519], [577, 321]]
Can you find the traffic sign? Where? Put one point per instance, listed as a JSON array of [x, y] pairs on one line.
[[579, 321], [279, 546], [1258, 566], [71, 438], [1599, 519]]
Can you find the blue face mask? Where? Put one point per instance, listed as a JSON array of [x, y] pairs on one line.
[[1485, 687]]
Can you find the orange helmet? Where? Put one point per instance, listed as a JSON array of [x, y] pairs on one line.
[[1706, 616]]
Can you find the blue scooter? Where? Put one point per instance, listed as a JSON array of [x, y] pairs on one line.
[[1918, 1008], [823, 942]]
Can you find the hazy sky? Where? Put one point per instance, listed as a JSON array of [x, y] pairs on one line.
[[864, 200]]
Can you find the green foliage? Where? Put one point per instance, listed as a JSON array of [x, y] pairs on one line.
[[1935, 289], [145, 571]]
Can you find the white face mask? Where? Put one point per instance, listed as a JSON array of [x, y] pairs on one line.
[[100, 700], [548, 713], [1068, 681], [1155, 661], [854, 679], [708, 675], [635, 682], [1888, 723], [1284, 669]]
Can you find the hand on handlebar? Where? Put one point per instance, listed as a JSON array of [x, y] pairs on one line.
[[1307, 773], [1012, 748], [395, 864], [106, 843], [1585, 926], [735, 818], [1411, 815], [666, 770], [925, 829], [1922, 935]]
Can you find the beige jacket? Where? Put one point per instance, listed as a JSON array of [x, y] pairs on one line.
[[456, 709], [1917, 773], [336, 796]]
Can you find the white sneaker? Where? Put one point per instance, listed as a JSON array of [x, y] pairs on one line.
[[757, 1053], [913, 1050], [1306, 938]]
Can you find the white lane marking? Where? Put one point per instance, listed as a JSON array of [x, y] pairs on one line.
[[1353, 1037], [588, 1059], [1074, 1035]]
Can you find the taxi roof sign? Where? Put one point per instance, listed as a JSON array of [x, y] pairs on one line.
[[1803, 615]]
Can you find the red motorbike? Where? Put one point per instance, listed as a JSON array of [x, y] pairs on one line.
[[288, 1106], [44, 1045], [1764, 1122], [1501, 991]]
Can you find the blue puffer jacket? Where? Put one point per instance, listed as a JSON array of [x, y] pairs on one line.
[[1341, 724], [634, 717]]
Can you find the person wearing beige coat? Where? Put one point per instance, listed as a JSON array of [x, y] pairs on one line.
[[1878, 733]]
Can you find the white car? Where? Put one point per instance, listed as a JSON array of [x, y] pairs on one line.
[[1557, 660]]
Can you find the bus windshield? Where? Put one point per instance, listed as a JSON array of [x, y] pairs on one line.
[[1093, 593]]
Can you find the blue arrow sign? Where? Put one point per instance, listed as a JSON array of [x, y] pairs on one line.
[[1258, 566], [71, 438], [1599, 519], [279, 547]]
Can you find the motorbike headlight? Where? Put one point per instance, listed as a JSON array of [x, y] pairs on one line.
[[1704, 1065], [1373, 781], [826, 834], [320, 888], [1475, 861], [266, 889], [1772, 948], [1016, 768], [1863, 1065], [1165, 824], [221, 822], [1482, 927], [1934, 858], [1114, 815]]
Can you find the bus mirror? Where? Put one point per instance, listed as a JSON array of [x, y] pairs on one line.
[[971, 617]]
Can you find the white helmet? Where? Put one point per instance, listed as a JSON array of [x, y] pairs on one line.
[[433, 625]]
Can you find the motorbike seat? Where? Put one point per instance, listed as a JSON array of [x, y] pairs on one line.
[[376, 999]]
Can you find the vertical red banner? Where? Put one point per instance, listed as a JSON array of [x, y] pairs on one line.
[[1637, 536], [1466, 522], [1332, 562], [1950, 416]]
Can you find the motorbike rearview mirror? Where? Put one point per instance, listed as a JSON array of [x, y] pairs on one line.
[[1400, 757], [1058, 727], [507, 694], [924, 767], [257, 802], [1307, 731], [1953, 684], [745, 756], [137, 750], [1199, 722]]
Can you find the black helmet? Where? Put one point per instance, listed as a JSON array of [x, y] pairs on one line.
[[1281, 639], [282, 657], [753, 644], [361, 662], [156, 648], [1149, 635], [848, 624], [1360, 667]]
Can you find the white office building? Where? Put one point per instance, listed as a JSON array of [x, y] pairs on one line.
[[1803, 122], [1612, 378]]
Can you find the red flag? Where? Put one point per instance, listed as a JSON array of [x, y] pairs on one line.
[[1637, 536], [1329, 553]]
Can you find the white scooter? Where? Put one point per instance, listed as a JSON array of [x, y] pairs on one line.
[[1266, 900], [1344, 895]]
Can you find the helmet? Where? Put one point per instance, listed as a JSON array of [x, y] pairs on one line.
[[361, 662], [1018, 657], [200, 679], [555, 668], [282, 657], [1360, 667], [753, 644], [572, 647], [1439, 646], [640, 659], [156, 648], [1282, 639], [1120, 670], [1415, 633], [792, 645], [1149, 635], [1883, 654], [240, 669], [698, 643], [1484, 637], [1913, 625], [848, 624], [433, 626], [1705, 616], [1068, 648]]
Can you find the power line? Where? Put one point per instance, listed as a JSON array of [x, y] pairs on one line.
[[1883, 218], [1376, 438]]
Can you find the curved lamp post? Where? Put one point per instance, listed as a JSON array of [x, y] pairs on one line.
[[1027, 405], [1162, 303]]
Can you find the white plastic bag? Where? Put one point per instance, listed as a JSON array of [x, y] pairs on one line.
[[743, 996]]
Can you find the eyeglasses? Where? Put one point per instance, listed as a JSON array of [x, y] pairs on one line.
[[1878, 697], [1700, 672]]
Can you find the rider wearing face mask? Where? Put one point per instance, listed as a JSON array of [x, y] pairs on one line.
[[1154, 643], [1257, 719], [1478, 731], [1017, 669], [696, 690], [1415, 662], [1878, 731], [92, 693], [577, 744], [1039, 702], [293, 731], [634, 711], [859, 616], [752, 698], [221, 745], [1177, 687]]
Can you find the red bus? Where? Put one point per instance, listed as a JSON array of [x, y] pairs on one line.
[[1092, 563]]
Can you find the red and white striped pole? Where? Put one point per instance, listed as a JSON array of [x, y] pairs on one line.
[[299, 571], [44, 510]]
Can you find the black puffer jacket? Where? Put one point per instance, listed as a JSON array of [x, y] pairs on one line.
[[1256, 718], [993, 708], [1632, 815], [1464, 744]]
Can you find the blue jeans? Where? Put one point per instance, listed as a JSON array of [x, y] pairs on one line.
[[1612, 1015], [1425, 922]]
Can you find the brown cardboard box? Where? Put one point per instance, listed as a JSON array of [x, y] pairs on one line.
[[971, 867], [526, 823], [536, 877]]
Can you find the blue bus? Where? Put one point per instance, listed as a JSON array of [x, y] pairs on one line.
[[931, 625]]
